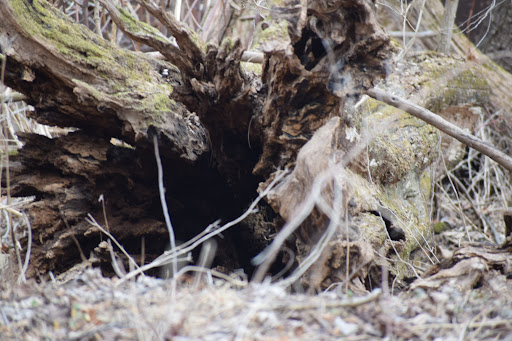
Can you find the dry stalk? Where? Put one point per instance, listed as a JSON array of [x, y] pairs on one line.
[[90, 219], [239, 282], [403, 12], [165, 209], [5, 156], [490, 324], [22, 277], [482, 15], [116, 264]]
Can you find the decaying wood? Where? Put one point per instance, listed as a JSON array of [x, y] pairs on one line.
[[84, 82], [379, 174], [222, 132], [212, 86], [309, 81], [79, 80], [67, 176]]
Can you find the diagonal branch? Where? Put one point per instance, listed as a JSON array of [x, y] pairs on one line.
[[179, 30], [143, 33], [188, 41], [188, 57], [443, 125]]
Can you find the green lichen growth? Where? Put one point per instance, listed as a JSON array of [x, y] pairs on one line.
[[426, 184], [407, 203], [162, 102], [411, 216], [228, 44], [450, 82], [44, 21], [467, 87], [439, 227], [10, 152], [402, 146], [279, 30], [406, 144], [398, 155], [93, 92]]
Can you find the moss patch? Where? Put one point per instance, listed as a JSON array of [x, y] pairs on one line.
[[99, 69], [78, 43]]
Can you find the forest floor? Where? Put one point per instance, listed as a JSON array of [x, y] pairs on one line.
[[471, 299]]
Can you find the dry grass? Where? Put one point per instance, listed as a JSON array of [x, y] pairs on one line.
[[473, 195]]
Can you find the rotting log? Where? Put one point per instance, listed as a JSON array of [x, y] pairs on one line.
[[223, 131], [76, 79], [80, 80]]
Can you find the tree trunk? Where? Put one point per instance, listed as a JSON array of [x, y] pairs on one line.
[[223, 132]]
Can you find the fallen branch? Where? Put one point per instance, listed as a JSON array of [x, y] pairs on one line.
[[443, 125]]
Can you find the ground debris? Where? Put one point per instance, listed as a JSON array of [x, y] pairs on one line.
[[94, 307]]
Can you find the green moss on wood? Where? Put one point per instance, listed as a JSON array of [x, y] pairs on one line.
[[76, 42], [122, 76], [136, 26]]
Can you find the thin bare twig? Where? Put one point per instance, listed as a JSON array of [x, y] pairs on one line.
[[90, 219], [22, 277], [165, 209], [7, 172], [492, 324]]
